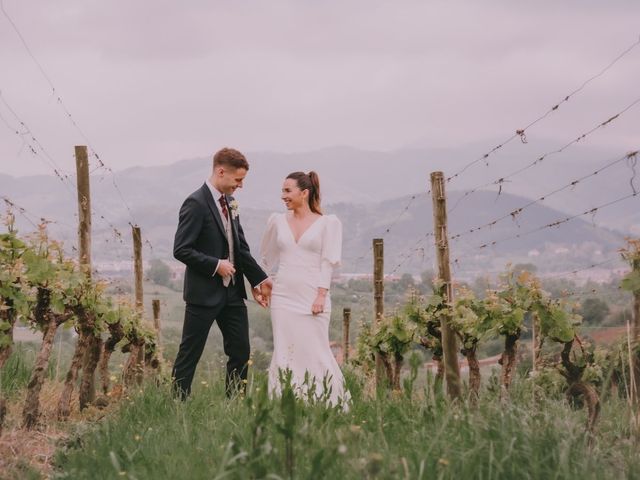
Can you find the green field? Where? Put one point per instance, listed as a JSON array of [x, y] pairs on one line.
[[414, 434]]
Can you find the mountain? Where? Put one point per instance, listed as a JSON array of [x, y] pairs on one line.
[[370, 191]]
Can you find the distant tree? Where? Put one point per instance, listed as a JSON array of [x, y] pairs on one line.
[[526, 267], [427, 278], [406, 282], [480, 285], [360, 285], [594, 311], [159, 272]]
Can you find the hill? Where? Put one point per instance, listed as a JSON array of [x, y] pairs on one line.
[[370, 191]]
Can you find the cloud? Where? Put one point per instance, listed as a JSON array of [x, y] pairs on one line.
[[153, 82]]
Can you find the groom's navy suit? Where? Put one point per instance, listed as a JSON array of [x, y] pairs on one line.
[[200, 243]]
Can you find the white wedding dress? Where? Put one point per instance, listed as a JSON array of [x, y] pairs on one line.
[[301, 339]]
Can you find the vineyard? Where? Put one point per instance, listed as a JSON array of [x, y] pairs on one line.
[[471, 369], [571, 399], [583, 395], [39, 286]]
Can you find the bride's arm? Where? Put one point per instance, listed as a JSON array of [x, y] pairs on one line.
[[331, 255], [331, 251], [269, 254]]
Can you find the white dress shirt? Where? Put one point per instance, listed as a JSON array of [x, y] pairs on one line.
[[216, 199]]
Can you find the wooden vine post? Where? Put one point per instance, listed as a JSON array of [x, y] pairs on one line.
[[91, 354], [378, 296], [84, 209], [636, 297], [536, 344], [449, 342], [137, 353], [631, 283], [87, 340], [346, 319], [636, 325], [155, 303]]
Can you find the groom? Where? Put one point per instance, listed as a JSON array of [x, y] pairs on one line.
[[211, 243]]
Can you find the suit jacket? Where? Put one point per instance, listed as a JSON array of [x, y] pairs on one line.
[[201, 241]]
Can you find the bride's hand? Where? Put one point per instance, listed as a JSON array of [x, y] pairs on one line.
[[265, 290], [258, 297], [318, 303]]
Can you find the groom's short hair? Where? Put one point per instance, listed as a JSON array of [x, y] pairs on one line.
[[229, 157]]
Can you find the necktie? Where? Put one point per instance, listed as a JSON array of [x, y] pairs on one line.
[[223, 204]]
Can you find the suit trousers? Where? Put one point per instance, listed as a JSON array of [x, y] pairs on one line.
[[231, 316]]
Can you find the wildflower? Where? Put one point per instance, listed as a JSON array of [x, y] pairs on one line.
[[137, 438], [342, 449], [443, 461]]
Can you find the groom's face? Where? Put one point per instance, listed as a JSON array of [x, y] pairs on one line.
[[229, 179]]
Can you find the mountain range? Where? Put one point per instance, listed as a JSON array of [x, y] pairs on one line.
[[376, 194]]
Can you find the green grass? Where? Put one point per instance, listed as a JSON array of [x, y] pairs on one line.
[[16, 372], [153, 436]]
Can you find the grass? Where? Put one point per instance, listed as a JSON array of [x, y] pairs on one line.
[[16, 372], [412, 436]]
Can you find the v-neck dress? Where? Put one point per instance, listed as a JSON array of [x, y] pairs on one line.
[[301, 339]]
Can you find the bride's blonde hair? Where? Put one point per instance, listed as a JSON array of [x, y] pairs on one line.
[[311, 182]]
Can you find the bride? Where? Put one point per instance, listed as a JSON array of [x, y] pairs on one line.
[[304, 246]]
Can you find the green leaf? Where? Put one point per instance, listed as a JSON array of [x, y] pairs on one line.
[[561, 329], [5, 340], [631, 281], [57, 305]]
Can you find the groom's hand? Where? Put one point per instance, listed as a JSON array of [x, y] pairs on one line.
[[225, 268]]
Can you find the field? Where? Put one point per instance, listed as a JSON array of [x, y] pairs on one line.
[[502, 422], [408, 435], [412, 434]]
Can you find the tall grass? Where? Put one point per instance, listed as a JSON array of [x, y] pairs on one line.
[[16, 372], [400, 436]]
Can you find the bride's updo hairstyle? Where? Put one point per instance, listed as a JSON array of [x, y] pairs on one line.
[[311, 182]]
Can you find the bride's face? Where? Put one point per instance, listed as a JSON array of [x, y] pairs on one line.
[[292, 196]]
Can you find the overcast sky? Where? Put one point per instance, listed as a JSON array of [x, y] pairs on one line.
[[153, 82]]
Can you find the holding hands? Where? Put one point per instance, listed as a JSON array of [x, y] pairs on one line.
[[262, 293]]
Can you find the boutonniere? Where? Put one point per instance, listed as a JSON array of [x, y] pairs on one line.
[[233, 206]]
